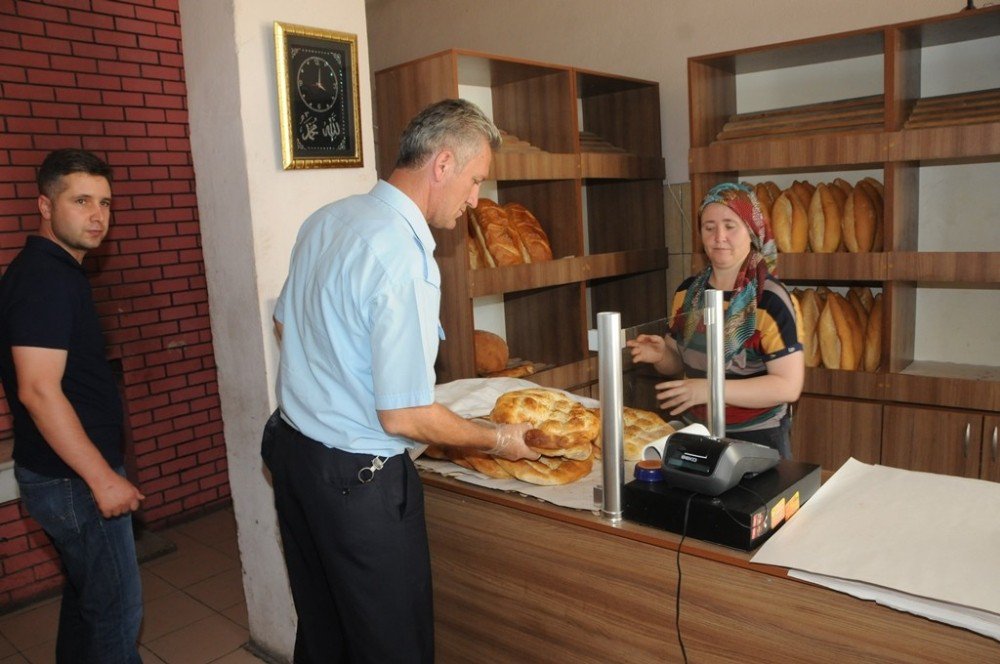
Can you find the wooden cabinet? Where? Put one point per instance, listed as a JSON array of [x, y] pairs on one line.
[[881, 105], [932, 440], [582, 152], [989, 464], [830, 431]]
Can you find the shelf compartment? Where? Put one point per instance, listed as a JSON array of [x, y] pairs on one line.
[[568, 376], [860, 114], [946, 384], [845, 150], [577, 269], [619, 127], [962, 267], [956, 143]]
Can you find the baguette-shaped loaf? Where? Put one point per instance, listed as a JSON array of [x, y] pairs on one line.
[[859, 222], [810, 306], [844, 186], [836, 339], [875, 194], [859, 310], [763, 195], [873, 336], [804, 189], [864, 294], [534, 242], [789, 223], [824, 221], [491, 226]]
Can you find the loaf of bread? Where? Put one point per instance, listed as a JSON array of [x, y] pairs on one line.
[[824, 221], [639, 428], [789, 223], [763, 195], [864, 294], [873, 336], [859, 222], [520, 371], [547, 471], [839, 342], [481, 257], [844, 186], [873, 188], [854, 299], [561, 427], [532, 240], [491, 352], [810, 307], [804, 189], [477, 461], [491, 228]]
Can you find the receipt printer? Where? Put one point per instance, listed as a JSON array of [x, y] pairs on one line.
[[711, 466]]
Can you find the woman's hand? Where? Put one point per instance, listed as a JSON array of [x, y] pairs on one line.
[[648, 348], [676, 396]]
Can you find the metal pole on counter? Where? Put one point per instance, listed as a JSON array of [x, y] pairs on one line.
[[714, 323], [609, 359]]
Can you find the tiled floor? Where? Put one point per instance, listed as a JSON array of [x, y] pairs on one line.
[[195, 612]]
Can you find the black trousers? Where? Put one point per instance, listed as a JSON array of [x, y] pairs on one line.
[[357, 555]]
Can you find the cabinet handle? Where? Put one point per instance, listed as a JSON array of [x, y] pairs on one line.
[[968, 435], [994, 443]]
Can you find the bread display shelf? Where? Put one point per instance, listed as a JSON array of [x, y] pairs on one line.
[[861, 114], [959, 267], [840, 266], [946, 384], [964, 108], [854, 384], [518, 159], [577, 269]]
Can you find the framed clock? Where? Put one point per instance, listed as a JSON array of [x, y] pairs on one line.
[[317, 97]]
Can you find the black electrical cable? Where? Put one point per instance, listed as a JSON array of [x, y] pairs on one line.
[[677, 596]]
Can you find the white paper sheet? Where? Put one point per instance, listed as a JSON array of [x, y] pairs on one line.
[[932, 540]]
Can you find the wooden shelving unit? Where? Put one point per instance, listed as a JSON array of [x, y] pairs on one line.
[[583, 154], [897, 131]]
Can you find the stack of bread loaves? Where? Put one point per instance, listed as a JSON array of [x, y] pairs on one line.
[[505, 235], [563, 433], [826, 217], [841, 332], [639, 428]]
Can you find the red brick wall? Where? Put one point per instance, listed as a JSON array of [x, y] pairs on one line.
[[108, 76]]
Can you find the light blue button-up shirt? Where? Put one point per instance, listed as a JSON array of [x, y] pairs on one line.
[[360, 313]]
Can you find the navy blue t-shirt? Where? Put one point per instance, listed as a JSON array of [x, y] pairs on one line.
[[46, 302]]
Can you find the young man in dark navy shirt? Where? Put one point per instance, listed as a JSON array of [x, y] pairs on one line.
[[68, 415]]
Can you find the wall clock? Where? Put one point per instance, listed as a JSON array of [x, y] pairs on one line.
[[317, 97]]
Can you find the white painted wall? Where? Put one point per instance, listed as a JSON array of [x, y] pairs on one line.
[[250, 211]]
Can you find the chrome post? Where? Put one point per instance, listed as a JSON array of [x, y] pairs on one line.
[[609, 359], [714, 323]]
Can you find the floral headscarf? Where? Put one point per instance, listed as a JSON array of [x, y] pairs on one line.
[[741, 316]]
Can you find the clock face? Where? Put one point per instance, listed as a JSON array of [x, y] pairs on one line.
[[317, 84]]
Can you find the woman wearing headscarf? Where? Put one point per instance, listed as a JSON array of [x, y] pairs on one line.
[[763, 361]]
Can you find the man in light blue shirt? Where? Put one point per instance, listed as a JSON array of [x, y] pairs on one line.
[[359, 328]]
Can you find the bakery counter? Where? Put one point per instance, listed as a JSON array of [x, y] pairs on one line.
[[520, 580]]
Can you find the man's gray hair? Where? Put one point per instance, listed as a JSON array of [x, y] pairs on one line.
[[456, 124]]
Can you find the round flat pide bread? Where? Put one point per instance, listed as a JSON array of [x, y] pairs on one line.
[[639, 428], [561, 427]]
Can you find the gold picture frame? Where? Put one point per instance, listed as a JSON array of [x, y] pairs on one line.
[[318, 100]]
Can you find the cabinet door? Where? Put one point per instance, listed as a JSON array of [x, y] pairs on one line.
[[932, 440], [830, 431], [990, 467]]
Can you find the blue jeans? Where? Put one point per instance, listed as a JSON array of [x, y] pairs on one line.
[[102, 598]]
